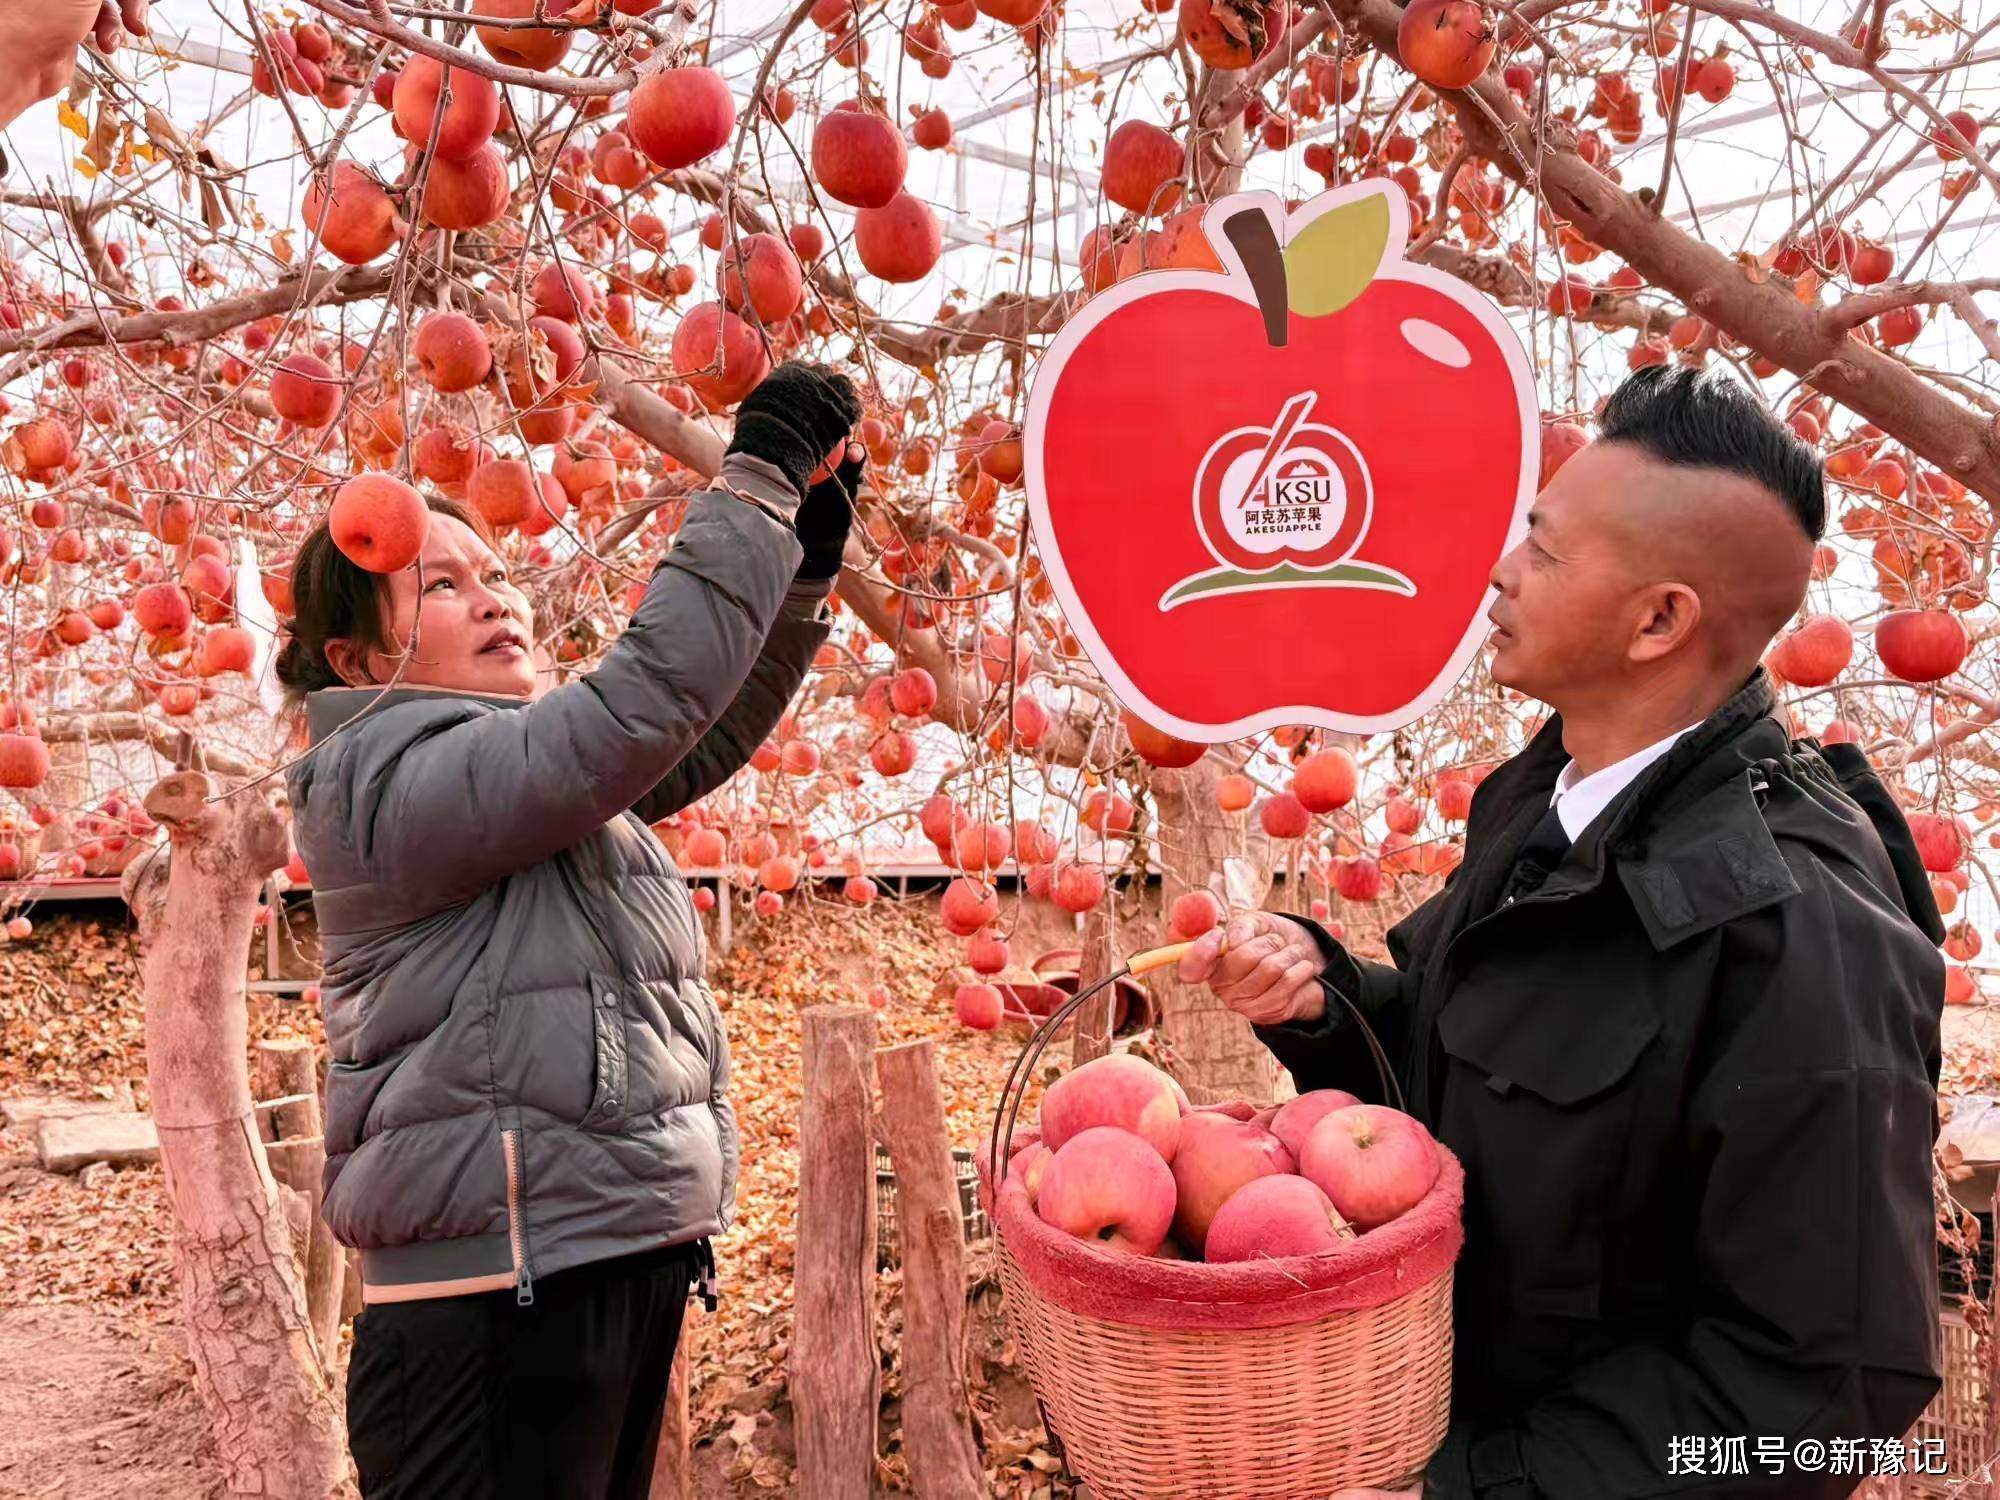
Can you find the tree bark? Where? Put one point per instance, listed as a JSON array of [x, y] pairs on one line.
[[277, 1430], [937, 1428], [288, 1070], [1092, 1037], [835, 1374], [673, 1462], [1213, 1052]]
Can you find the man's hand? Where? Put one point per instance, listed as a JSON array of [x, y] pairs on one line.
[[1263, 966], [116, 18], [42, 37]]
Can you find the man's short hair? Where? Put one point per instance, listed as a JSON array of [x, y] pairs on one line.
[[1704, 419]]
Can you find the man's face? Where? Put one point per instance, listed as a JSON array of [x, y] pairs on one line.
[[1568, 591]]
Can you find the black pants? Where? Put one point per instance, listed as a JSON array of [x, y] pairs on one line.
[[478, 1398]]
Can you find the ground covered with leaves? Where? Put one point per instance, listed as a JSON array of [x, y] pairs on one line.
[[95, 1396], [90, 1258]]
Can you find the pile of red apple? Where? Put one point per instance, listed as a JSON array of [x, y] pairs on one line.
[[1125, 1163]]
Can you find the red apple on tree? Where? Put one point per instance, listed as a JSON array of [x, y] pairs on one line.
[[1921, 645], [1816, 653], [1297, 404]]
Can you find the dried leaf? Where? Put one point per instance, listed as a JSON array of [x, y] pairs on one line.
[[214, 212], [1241, 20], [103, 143], [72, 121], [281, 246]]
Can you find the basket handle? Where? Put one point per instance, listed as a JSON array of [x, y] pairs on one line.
[[1007, 1115]]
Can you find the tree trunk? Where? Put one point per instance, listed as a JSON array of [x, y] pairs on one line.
[[243, 1303], [937, 1430], [836, 1377], [1092, 1035], [1211, 1049], [287, 1071], [673, 1461]]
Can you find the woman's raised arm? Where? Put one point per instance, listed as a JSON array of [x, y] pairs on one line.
[[445, 805]]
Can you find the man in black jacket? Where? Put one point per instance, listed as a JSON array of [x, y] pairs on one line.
[[1677, 1011]]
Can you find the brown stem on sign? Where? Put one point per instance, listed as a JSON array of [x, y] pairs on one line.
[[1257, 247]]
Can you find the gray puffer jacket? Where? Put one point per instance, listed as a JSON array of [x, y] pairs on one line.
[[529, 1071]]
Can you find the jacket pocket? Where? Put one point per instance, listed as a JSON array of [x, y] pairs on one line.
[[608, 1095], [1545, 1103]]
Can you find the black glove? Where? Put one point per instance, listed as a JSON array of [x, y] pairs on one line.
[[796, 418], [826, 514]]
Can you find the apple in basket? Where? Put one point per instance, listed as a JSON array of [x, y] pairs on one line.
[[1275, 1216], [1295, 1118], [1029, 1163], [1373, 1162], [1108, 1186], [1217, 1156], [1120, 1090]]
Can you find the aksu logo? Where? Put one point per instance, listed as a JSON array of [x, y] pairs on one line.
[[1283, 506]]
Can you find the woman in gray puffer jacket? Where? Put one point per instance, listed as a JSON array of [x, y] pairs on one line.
[[528, 1129]]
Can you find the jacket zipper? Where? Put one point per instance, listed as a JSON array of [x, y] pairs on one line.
[[524, 1281]]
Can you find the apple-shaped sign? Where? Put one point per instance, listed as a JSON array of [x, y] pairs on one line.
[[1275, 494]]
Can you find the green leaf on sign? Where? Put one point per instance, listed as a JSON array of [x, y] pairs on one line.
[[1331, 261]]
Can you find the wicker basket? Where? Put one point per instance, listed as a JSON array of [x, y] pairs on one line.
[[1276, 1380], [971, 1213], [1295, 1412]]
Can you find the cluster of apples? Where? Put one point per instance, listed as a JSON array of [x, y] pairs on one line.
[[1125, 1163]]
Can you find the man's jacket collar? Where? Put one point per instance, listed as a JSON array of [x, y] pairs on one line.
[[1691, 849]]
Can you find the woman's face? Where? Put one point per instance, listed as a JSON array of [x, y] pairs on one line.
[[472, 629]]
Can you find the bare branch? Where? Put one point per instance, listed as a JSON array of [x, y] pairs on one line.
[[375, 18], [1763, 315]]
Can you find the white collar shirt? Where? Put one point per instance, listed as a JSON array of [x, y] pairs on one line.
[[1579, 799]]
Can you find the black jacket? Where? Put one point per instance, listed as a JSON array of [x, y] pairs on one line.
[[1693, 1081]]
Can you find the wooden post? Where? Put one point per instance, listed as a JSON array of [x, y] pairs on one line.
[[243, 1305], [835, 1373], [673, 1462], [288, 1074], [937, 1427], [1092, 1036]]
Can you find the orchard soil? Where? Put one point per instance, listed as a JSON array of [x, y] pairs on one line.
[[95, 1391]]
